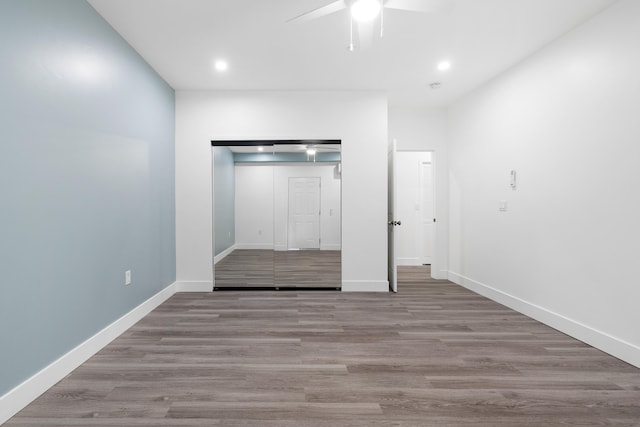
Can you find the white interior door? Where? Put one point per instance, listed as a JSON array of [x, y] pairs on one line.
[[391, 220], [304, 213], [427, 212]]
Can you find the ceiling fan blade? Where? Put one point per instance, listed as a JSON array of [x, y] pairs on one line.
[[364, 36], [328, 9], [426, 6]]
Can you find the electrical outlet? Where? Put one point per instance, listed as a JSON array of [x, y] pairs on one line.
[[127, 277]]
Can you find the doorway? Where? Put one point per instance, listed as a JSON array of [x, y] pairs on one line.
[[414, 205], [413, 241]]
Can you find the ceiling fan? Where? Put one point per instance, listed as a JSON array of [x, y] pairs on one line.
[[364, 13]]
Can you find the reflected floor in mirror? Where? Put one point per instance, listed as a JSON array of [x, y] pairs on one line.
[[257, 268]]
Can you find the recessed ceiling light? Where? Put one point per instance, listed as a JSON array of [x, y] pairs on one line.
[[444, 65], [365, 10], [221, 65]]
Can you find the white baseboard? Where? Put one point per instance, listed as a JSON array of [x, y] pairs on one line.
[[616, 347], [254, 246], [23, 394], [222, 255], [365, 286], [200, 286]]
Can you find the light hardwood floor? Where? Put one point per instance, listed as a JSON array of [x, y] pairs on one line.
[[434, 354]]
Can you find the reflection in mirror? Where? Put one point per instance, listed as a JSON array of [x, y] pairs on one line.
[[283, 230], [243, 218], [307, 213]]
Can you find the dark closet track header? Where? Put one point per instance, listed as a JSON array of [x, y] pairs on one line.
[[255, 142]]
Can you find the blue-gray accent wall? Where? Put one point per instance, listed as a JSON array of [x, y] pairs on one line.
[[224, 189], [86, 181]]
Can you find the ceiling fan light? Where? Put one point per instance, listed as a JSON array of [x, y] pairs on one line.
[[444, 65], [221, 65], [365, 10]]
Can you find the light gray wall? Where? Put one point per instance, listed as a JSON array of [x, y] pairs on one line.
[[224, 189], [86, 181], [566, 249]]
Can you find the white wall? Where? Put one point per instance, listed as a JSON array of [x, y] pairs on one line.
[[425, 129], [359, 119], [254, 206], [566, 249], [256, 216]]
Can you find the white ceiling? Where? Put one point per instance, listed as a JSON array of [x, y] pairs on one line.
[[482, 38]]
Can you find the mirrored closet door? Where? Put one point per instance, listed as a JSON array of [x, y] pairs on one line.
[[277, 214]]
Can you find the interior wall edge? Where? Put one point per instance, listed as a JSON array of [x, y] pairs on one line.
[[609, 344], [23, 394]]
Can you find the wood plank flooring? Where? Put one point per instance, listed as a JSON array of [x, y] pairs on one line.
[[250, 268], [434, 354]]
